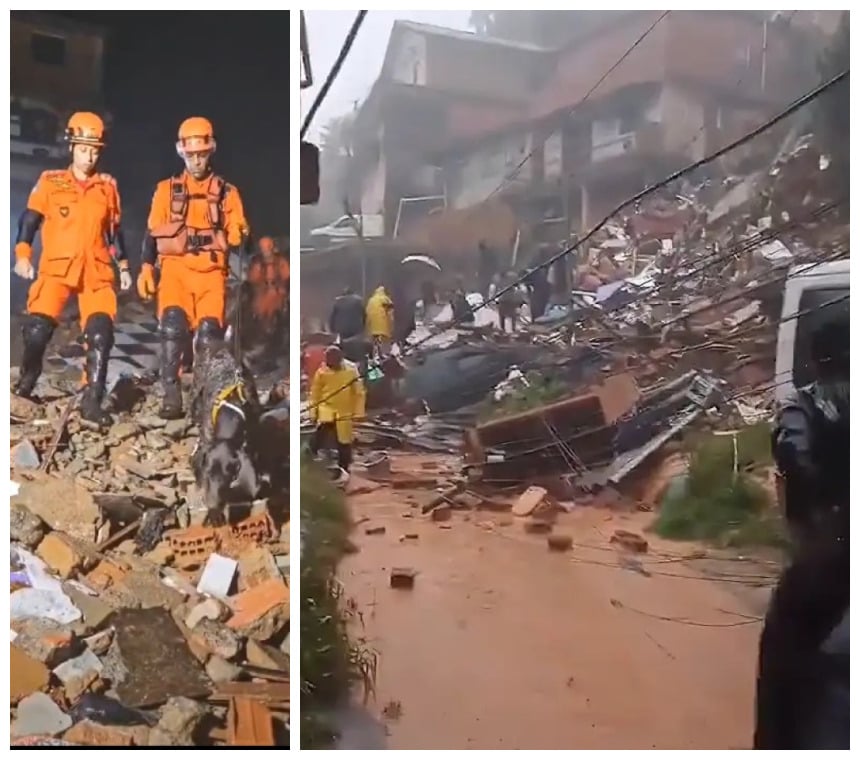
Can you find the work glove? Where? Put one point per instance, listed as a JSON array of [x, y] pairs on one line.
[[146, 282], [124, 277], [23, 264]]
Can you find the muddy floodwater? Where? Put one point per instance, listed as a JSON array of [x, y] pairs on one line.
[[502, 644]]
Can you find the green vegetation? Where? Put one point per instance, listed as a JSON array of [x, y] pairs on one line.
[[331, 662], [541, 390], [718, 505]]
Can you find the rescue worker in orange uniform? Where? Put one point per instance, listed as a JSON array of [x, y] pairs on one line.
[[79, 213], [195, 222], [269, 280]]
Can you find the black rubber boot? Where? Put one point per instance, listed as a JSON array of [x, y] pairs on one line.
[[99, 341], [174, 339], [188, 354], [210, 337], [37, 332]]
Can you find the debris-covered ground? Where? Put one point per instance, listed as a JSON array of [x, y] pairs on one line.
[[133, 625], [567, 534]]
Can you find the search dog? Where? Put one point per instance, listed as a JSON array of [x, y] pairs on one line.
[[227, 410]]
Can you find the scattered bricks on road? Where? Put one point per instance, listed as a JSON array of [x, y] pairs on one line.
[[403, 577], [376, 530], [442, 513], [632, 542], [537, 527], [409, 537], [528, 501], [559, 543], [60, 554]]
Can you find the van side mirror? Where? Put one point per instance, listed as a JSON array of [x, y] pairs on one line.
[[309, 173]]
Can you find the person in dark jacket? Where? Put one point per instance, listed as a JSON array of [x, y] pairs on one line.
[[803, 684], [347, 315]]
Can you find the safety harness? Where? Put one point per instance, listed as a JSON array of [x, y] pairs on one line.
[[214, 197], [222, 400]]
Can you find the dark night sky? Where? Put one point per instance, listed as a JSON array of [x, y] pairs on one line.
[[231, 67]]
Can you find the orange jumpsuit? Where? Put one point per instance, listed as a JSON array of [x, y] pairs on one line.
[[270, 283], [196, 281], [78, 219]]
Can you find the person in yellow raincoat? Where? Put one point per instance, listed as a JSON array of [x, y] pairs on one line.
[[337, 398], [380, 319]]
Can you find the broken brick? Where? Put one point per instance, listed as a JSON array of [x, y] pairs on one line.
[[44, 641], [92, 734], [528, 501], [376, 530], [27, 675], [402, 577], [632, 542], [192, 547], [60, 554], [559, 543], [537, 527], [106, 574], [441, 514], [251, 605]]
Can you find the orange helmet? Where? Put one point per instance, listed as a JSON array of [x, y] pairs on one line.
[[85, 128], [195, 134]]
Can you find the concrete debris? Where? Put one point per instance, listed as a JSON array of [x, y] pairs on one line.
[[39, 715], [102, 570], [403, 578]]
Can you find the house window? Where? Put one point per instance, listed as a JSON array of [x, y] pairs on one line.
[[48, 49]]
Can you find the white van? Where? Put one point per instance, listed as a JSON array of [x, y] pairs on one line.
[[809, 289]]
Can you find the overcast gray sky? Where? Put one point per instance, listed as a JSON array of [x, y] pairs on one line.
[[326, 33]]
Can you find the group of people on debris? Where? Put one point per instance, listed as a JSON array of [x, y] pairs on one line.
[[196, 221]]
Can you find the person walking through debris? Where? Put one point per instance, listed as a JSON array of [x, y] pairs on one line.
[[380, 320], [347, 321], [509, 303], [79, 214], [803, 685], [337, 398], [269, 286], [487, 266], [195, 222], [460, 307]]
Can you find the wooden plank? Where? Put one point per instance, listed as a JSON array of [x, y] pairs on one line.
[[277, 692], [249, 723]]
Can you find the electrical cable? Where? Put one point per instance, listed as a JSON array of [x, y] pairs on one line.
[[335, 70], [785, 113]]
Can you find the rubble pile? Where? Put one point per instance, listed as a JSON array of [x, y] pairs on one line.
[[132, 624]]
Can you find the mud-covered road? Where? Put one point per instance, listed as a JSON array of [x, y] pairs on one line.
[[504, 645]]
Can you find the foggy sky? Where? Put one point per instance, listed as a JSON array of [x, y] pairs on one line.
[[326, 33]]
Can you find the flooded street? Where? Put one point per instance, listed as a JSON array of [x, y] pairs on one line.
[[504, 645]]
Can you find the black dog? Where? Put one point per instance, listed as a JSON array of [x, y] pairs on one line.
[[226, 409]]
